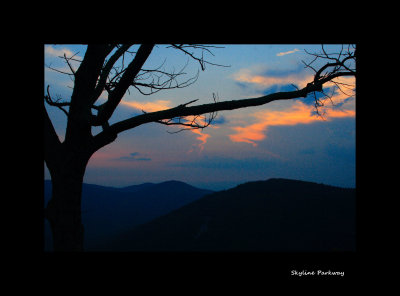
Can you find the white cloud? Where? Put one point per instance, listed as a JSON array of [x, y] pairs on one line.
[[50, 50], [287, 52], [53, 60]]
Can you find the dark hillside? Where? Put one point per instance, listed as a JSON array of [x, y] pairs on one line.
[[108, 211], [273, 215]]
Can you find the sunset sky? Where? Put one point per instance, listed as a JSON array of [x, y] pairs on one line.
[[281, 139]]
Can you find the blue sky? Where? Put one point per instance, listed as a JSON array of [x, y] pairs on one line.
[[281, 139]]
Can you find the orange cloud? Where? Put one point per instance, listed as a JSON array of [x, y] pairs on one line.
[[148, 106], [202, 138], [162, 105], [299, 113], [348, 88]]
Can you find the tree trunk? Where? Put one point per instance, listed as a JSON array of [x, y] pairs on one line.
[[64, 209]]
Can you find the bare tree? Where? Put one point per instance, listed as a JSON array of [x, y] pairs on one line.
[[98, 73]]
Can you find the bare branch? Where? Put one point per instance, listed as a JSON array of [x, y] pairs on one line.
[[183, 110], [189, 124], [123, 84], [343, 65], [146, 81], [294, 86], [67, 59], [59, 71], [170, 83], [203, 48], [106, 70], [69, 65], [196, 122], [57, 104], [181, 115]]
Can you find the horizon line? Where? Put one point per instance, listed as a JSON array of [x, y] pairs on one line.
[[245, 182]]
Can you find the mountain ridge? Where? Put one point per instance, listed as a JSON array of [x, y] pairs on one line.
[[271, 215]]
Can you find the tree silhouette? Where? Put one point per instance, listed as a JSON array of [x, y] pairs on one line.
[[98, 73]]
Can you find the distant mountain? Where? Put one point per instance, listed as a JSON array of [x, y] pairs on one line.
[[107, 211], [135, 188], [274, 215]]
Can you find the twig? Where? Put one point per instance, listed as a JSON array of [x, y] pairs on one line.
[[57, 104]]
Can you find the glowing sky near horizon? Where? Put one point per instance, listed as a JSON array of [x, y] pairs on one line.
[[280, 139]]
